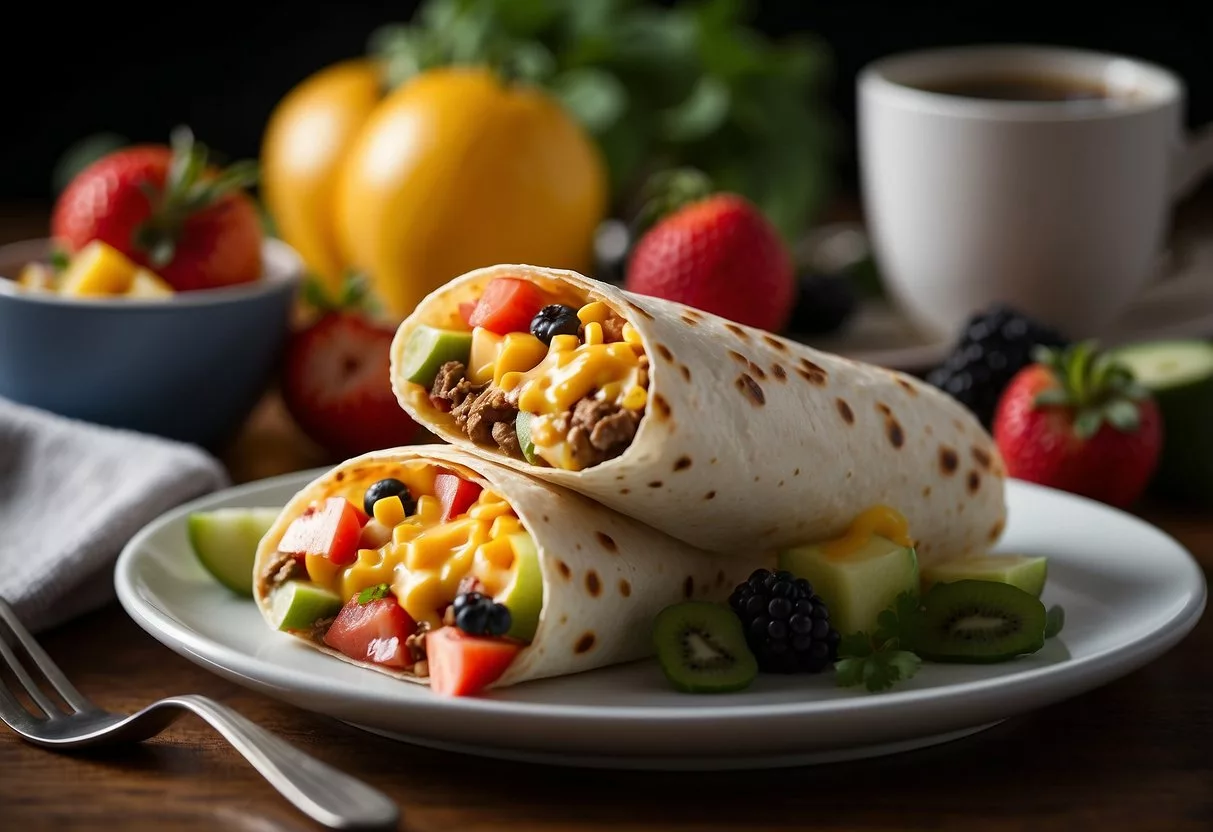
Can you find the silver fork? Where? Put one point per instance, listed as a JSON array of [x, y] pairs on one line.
[[323, 793]]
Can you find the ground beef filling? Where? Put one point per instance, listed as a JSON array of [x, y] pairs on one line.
[[482, 411], [282, 567], [598, 431]]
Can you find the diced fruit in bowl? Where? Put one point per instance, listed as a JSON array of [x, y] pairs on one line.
[[462, 664], [225, 541], [1026, 573], [97, 270], [1078, 421], [164, 209], [857, 584], [1179, 374]]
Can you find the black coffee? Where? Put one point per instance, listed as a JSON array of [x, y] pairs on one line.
[[1021, 88]]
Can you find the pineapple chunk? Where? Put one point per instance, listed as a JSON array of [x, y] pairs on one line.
[[37, 277], [98, 269], [147, 284]]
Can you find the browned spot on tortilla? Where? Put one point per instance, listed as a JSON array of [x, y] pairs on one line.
[[625, 491], [564, 619], [996, 529], [640, 311], [689, 321], [844, 410], [682, 463], [695, 314], [547, 519], [959, 425], [757, 477], [928, 430], [947, 460], [584, 644], [711, 495], [926, 491], [578, 547], [813, 368], [780, 484], [960, 508], [592, 584], [655, 484], [775, 343], [738, 331], [661, 407], [340, 475], [817, 379], [905, 385], [883, 408], [712, 461], [750, 389], [565, 572], [892, 429], [664, 352], [796, 473], [757, 371], [607, 541], [686, 372], [981, 457], [973, 482], [688, 586], [738, 357], [625, 588]]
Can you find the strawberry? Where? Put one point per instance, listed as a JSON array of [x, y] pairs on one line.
[[716, 252], [336, 381], [1076, 420], [164, 208]]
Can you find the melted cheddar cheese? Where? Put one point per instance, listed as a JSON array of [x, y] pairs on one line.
[[426, 558], [879, 520]]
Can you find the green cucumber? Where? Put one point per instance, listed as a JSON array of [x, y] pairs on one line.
[[428, 348], [1179, 374], [522, 428], [225, 542], [859, 586], [298, 605], [1027, 573]]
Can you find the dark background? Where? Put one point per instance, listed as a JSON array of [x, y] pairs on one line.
[[70, 71]]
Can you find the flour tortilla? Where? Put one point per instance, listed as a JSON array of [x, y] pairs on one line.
[[751, 441], [605, 576]]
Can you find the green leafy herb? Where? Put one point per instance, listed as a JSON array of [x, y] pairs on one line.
[[60, 260], [1055, 620], [1094, 385], [689, 86], [373, 593], [881, 659]]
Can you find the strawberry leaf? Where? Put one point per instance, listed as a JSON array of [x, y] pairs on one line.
[[1123, 415], [1087, 423], [1051, 397]]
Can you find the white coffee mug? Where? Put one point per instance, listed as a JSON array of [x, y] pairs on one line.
[[1059, 208]]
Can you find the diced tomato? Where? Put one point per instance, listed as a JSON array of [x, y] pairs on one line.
[[465, 311], [507, 305], [455, 493], [461, 665], [375, 631], [330, 530]]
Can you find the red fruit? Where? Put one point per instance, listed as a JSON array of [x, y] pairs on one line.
[[375, 631], [721, 255], [507, 305], [336, 384], [456, 494], [331, 530], [461, 665], [1079, 423], [165, 209]]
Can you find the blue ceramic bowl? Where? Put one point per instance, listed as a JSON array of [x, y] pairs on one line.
[[190, 367]]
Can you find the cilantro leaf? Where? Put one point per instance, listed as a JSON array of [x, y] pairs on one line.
[[880, 660], [849, 672], [886, 668], [856, 645], [373, 593]]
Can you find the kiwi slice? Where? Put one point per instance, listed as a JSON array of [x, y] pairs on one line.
[[978, 622], [701, 647]]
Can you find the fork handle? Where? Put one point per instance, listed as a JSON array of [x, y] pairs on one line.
[[320, 791]]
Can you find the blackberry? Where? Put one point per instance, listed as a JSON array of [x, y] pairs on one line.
[[389, 487], [555, 319], [995, 345], [480, 615], [787, 626], [824, 303]]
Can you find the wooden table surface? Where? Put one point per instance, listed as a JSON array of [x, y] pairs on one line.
[[1136, 754]]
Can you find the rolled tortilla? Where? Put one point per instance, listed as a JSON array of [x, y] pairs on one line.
[[750, 441], [605, 576]]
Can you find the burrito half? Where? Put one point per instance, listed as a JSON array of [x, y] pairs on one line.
[[729, 438]]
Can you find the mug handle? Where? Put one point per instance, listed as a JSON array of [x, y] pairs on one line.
[[1193, 162]]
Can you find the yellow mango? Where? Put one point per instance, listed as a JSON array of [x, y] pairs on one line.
[[146, 284], [98, 269]]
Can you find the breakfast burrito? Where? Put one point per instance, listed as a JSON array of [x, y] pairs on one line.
[[727, 437], [436, 566]]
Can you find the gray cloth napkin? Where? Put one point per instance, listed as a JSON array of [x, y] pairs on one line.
[[71, 495]]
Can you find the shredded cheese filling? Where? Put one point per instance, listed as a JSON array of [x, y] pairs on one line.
[[426, 558]]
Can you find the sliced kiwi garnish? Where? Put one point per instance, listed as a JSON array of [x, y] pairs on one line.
[[978, 622], [702, 648]]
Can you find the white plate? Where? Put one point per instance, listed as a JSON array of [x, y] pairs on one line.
[[1130, 593]]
